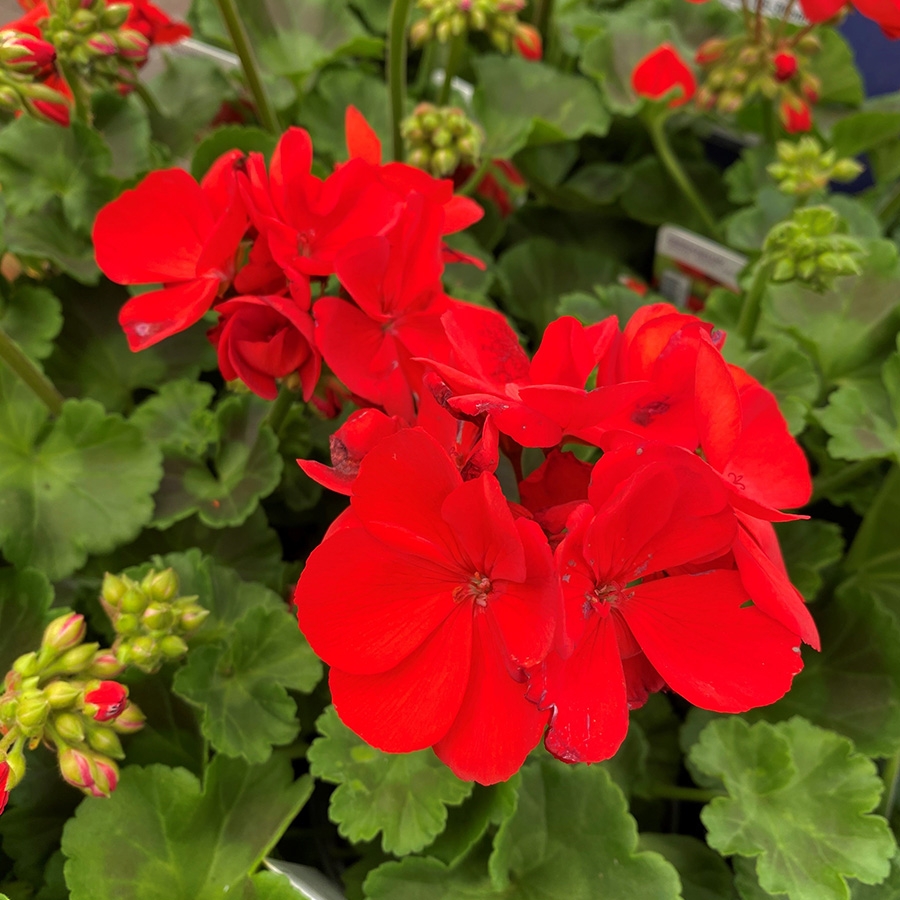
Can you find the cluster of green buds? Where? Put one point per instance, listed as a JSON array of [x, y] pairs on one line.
[[804, 168], [25, 61], [756, 62], [812, 247], [91, 37], [151, 620], [63, 695], [441, 138], [498, 19]]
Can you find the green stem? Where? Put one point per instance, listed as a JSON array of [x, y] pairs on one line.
[[846, 475], [280, 408], [543, 9], [83, 111], [29, 373], [675, 792], [888, 208], [891, 778], [751, 309], [426, 66], [657, 128], [454, 58], [472, 182], [396, 64], [147, 98], [238, 34]]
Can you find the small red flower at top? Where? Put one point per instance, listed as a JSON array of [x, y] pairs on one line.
[[170, 229], [106, 701], [661, 72], [4, 780], [428, 600]]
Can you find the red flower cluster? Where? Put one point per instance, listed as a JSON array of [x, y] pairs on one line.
[[464, 604], [455, 618], [263, 236]]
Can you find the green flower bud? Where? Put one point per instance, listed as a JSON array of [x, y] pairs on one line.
[[158, 617], [114, 589], [27, 665], [115, 15], [173, 647], [130, 720], [127, 624], [134, 600], [16, 760], [444, 162], [63, 694], [70, 727], [74, 661], [64, 632], [191, 617], [32, 712], [104, 740]]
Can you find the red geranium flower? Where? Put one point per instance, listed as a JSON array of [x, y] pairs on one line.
[[154, 24], [427, 605], [796, 116], [4, 780], [169, 229], [259, 339], [634, 627], [885, 12], [661, 71], [109, 698]]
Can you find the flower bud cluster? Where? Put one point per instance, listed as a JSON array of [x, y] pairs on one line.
[[498, 19], [759, 62], [25, 61], [151, 621], [803, 168], [62, 695], [439, 139], [93, 37], [812, 247]]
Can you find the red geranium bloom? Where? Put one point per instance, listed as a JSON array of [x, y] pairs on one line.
[[553, 491], [527, 42], [4, 780], [885, 12], [661, 71], [154, 24], [169, 229], [633, 627], [427, 606], [109, 698], [259, 339]]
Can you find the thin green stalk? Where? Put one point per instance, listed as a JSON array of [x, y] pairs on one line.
[[888, 208], [471, 183], [280, 408], [43, 388], [543, 9], [751, 309], [238, 34], [147, 98], [426, 66], [396, 65], [676, 792], [83, 111], [845, 476], [657, 129], [454, 58], [891, 778]]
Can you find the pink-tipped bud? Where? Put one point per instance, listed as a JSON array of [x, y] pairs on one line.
[[4, 780], [64, 633], [105, 700], [104, 665], [91, 773], [103, 44], [27, 54], [785, 65], [133, 46], [710, 51], [130, 720], [527, 42]]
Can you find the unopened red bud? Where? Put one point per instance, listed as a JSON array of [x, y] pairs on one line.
[[103, 44], [105, 700], [94, 774], [27, 54], [785, 65], [104, 665], [810, 87], [527, 42], [65, 632], [69, 727], [107, 777]]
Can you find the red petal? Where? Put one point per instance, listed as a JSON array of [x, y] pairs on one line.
[[710, 648], [588, 697], [362, 141], [411, 706], [148, 318], [717, 405], [659, 72], [154, 232], [496, 727], [365, 607]]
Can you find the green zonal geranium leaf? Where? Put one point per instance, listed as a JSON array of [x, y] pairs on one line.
[[809, 547], [404, 796], [224, 485], [25, 599], [570, 835], [520, 102], [799, 799], [81, 484], [163, 836], [32, 317], [704, 874], [241, 685], [178, 418]]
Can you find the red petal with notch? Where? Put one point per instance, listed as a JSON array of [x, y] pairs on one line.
[[362, 141]]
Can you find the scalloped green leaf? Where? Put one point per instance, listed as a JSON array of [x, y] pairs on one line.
[[800, 801], [402, 796], [162, 835], [520, 102], [25, 600], [809, 547], [178, 418], [570, 834], [225, 485], [241, 685], [32, 317], [78, 485], [704, 874]]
